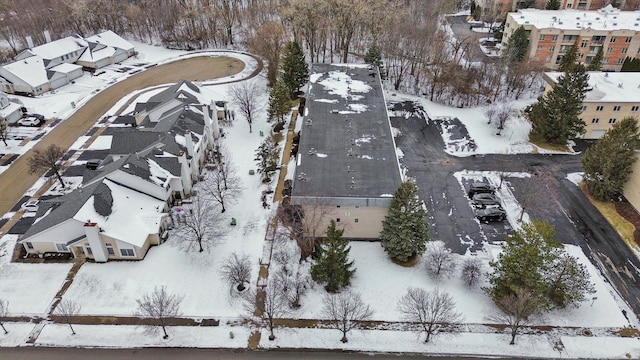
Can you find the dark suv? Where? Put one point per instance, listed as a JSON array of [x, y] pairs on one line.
[[491, 214], [481, 188], [483, 199]]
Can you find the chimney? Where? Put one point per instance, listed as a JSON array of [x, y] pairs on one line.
[[185, 172], [29, 42], [47, 36], [92, 232], [189, 143], [213, 131]]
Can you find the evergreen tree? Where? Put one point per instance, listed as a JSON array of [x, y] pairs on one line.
[[533, 260], [498, 33], [374, 56], [294, 71], [630, 65], [552, 5], [597, 61], [404, 230], [569, 58], [279, 102], [555, 118], [607, 164], [517, 45], [332, 266], [267, 156]]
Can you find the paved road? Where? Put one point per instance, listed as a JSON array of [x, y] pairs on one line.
[[576, 220], [38, 353], [16, 180], [460, 28]]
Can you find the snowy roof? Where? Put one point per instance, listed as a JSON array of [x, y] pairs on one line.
[[66, 68], [30, 70], [59, 47], [346, 147], [607, 19], [608, 86], [96, 54], [141, 213], [9, 109], [112, 39]]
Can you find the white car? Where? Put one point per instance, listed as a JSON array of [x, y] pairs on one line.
[[31, 206], [29, 121]]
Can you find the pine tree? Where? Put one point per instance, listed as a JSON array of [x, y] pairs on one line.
[[607, 164], [267, 156], [404, 230], [279, 102], [294, 71], [332, 266], [533, 260], [630, 65], [597, 61], [569, 58], [555, 118], [552, 5], [517, 45], [374, 56]]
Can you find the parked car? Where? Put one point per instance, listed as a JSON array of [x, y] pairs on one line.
[[38, 116], [491, 214], [93, 164], [30, 121], [485, 199], [481, 188], [31, 206]]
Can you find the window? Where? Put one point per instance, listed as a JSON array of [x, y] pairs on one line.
[[338, 220], [613, 39], [88, 249], [357, 206], [634, 108], [548, 59], [356, 220], [606, 60], [584, 43], [29, 245], [127, 252], [541, 37], [595, 120], [539, 48], [628, 39], [554, 38], [624, 50], [598, 39], [599, 108], [584, 108], [338, 206], [347, 213], [552, 48], [616, 108], [62, 248], [569, 38], [612, 121], [110, 251], [609, 50], [620, 61]]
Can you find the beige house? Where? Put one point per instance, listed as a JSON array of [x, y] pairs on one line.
[[552, 32], [347, 168], [613, 97]]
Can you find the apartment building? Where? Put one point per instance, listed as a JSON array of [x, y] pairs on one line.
[[552, 32], [613, 97], [505, 6]]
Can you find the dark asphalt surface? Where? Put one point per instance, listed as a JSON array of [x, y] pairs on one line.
[[576, 220], [39, 353]]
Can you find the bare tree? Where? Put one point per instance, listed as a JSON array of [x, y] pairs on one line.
[[294, 285], [246, 95], [503, 114], [268, 42], [223, 183], [433, 310], [4, 312], [517, 311], [305, 224], [267, 305], [159, 305], [4, 131], [438, 259], [471, 270], [199, 224], [236, 270], [536, 193], [490, 112], [346, 310], [47, 159], [68, 309]]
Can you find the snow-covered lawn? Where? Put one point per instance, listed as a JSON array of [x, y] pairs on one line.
[[18, 334], [139, 336]]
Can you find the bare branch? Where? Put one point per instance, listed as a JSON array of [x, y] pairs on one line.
[[67, 309], [236, 270], [47, 159], [346, 309], [160, 305], [517, 311]]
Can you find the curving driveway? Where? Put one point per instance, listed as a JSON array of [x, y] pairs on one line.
[[16, 180]]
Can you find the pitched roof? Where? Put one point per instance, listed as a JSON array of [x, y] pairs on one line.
[[109, 38], [31, 70], [60, 47]]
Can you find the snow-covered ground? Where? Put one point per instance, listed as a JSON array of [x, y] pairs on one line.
[[112, 288]]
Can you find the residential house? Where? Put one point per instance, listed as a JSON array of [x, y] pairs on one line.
[[552, 32], [9, 111], [31, 76], [347, 170], [156, 154], [104, 49], [612, 97], [66, 50]]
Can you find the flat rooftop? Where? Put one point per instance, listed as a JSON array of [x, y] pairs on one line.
[[607, 18], [346, 146], [608, 87]]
